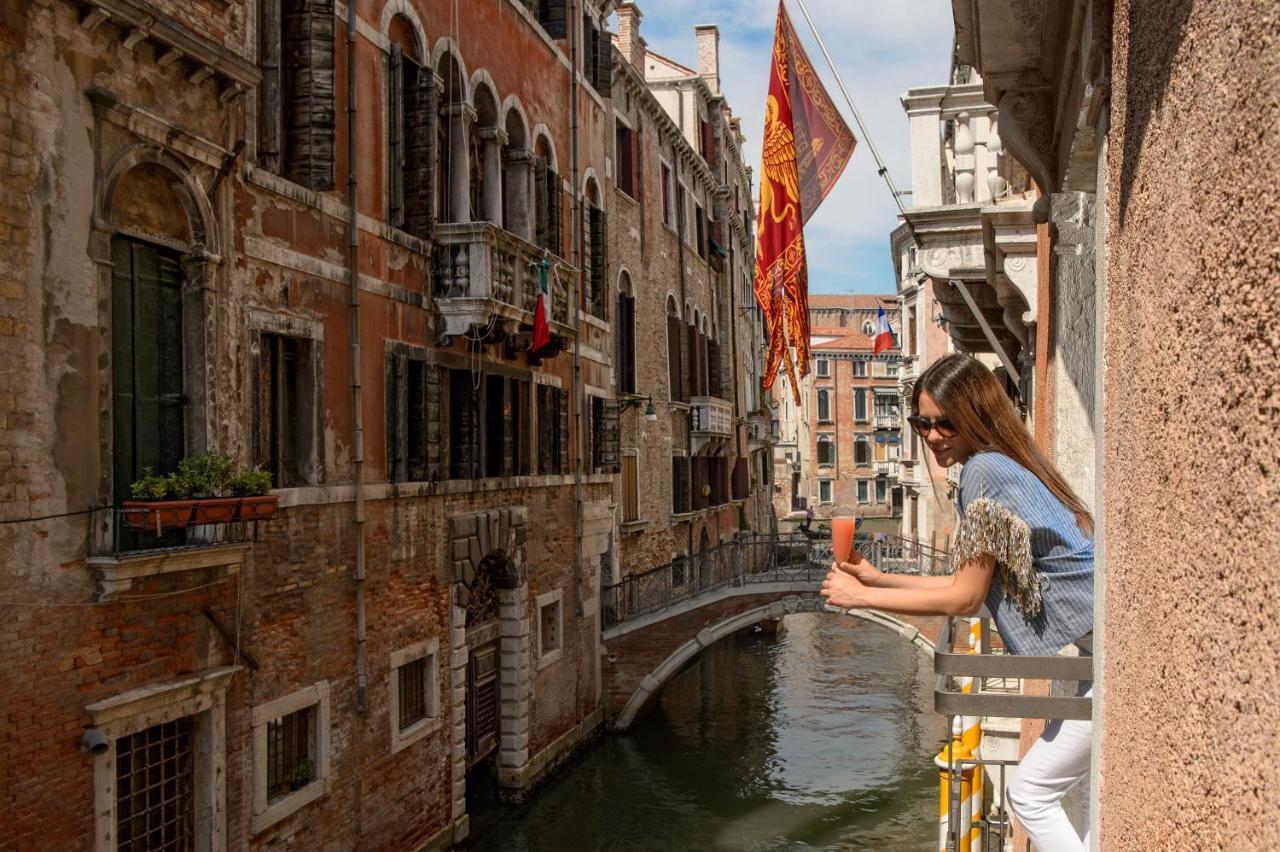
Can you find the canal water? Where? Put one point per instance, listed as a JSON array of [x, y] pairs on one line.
[[819, 738]]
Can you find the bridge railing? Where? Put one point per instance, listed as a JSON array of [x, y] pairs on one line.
[[747, 559]]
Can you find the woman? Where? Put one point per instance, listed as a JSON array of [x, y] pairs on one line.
[[1024, 547]]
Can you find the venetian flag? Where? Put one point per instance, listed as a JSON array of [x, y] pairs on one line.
[[884, 333], [542, 311], [806, 147]]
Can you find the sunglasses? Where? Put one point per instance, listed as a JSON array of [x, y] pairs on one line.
[[922, 425]]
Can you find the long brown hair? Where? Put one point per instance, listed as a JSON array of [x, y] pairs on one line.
[[973, 400]]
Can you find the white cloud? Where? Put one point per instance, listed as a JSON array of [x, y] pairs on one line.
[[881, 49]]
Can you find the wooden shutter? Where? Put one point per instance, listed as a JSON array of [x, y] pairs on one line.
[[626, 334], [741, 478], [554, 17], [604, 65], [542, 231], [555, 197], [546, 430], [679, 484], [673, 358], [421, 103], [270, 91], [464, 432], [713, 367], [395, 425], [607, 426], [624, 151], [416, 439], [590, 50], [630, 488], [562, 430], [694, 370], [596, 262], [433, 417], [395, 135], [308, 43]]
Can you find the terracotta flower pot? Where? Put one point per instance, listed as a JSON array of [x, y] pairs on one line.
[[261, 508], [216, 510], [157, 515]]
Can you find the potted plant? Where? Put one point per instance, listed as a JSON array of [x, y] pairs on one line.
[[207, 477], [303, 774], [252, 487], [158, 503]]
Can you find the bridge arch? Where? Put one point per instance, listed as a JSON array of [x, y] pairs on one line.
[[653, 682]]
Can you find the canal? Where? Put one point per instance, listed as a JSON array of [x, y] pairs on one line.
[[819, 738]]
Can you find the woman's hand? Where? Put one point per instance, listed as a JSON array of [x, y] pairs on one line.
[[843, 589], [859, 567]]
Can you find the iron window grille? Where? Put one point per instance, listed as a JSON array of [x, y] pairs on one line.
[[155, 803], [414, 683], [291, 747]]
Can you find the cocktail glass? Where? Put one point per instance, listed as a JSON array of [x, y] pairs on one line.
[[842, 527]]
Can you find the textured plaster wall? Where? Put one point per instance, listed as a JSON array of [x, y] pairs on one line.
[[1192, 453]]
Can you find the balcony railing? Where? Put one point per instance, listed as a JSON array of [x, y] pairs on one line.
[[888, 421], [762, 429], [980, 689], [710, 418], [483, 272], [887, 468]]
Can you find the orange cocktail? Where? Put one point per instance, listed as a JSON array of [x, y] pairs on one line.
[[842, 528]]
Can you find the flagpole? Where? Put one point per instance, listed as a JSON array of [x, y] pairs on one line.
[[884, 170]]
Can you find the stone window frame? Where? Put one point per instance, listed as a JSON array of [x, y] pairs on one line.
[[825, 437], [822, 368], [864, 490], [824, 395], [830, 498], [267, 813], [859, 368], [262, 321], [429, 649], [547, 656], [201, 695]]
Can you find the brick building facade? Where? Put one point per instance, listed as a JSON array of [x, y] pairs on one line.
[[841, 447], [251, 228], [694, 427]]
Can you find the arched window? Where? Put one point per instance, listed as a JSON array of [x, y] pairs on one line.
[[861, 450], [453, 196], [868, 328], [516, 175], [824, 405], [484, 153], [826, 450], [625, 331], [595, 248], [678, 389], [411, 133], [547, 198]]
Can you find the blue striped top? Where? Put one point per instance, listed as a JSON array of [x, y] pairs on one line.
[[1061, 554]]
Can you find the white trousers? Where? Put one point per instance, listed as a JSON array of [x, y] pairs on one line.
[[1054, 764]]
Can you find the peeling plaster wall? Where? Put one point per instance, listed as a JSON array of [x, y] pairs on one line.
[[1192, 454]]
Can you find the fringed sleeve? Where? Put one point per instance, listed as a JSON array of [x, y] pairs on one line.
[[989, 529]]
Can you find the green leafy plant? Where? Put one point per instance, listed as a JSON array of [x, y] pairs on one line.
[[154, 486], [304, 773], [206, 475], [250, 482]]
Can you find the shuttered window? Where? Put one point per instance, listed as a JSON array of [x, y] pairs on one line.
[[741, 478], [603, 82], [413, 419], [147, 410], [596, 263], [680, 485], [700, 230], [553, 430], [547, 201], [674, 367], [297, 93], [285, 402], [626, 334], [554, 17], [604, 435], [714, 385], [413, 101], [630, 488], [464, 429]]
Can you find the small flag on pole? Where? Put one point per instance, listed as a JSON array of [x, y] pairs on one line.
[[884, 334], [542, 310]]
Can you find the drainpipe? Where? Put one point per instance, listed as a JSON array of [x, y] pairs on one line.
[[680, 224], [576, 317], [357, 416]]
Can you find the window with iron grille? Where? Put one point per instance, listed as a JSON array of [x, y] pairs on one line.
[[155, 802], [291, 754], [415, 680]]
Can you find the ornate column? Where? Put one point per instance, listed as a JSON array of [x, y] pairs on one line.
[[460, 118], [493, 138], [964, 160]]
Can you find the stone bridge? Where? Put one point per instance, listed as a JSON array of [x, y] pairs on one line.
[[659, 621]]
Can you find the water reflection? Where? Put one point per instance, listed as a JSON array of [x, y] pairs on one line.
[[820, 739]]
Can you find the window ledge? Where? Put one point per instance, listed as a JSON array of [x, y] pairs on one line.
[[290, 804], [635, 526], [401, 740], [677, 517], [116, 573], [591, 319], [549, 658]]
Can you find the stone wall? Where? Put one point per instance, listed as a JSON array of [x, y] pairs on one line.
[[1191, 452]]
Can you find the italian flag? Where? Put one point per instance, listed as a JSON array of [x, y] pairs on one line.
[[542, 310], [884, 333]]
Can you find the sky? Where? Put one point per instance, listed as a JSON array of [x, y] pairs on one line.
[[882, 48]]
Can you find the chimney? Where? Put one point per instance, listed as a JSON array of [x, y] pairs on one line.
[[708, 36], [630, 45]]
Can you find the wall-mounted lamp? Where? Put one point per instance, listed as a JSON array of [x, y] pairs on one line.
[[650, 413], [94, 741]]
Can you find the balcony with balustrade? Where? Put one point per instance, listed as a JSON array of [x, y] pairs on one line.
[[486, 281], [710, 420], [972, 216]]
